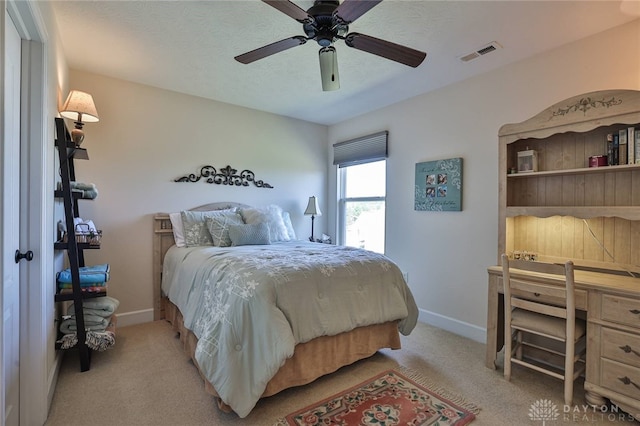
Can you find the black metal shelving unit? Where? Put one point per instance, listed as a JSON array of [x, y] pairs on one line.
[[67, 151]]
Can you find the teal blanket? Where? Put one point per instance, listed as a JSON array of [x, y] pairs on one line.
[[88, 274]]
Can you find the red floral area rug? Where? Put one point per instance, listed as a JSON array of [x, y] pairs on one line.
[[390, 398]]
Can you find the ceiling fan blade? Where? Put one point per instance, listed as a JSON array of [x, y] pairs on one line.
[[291, 9], [386, 49], [350, 10], [270, 49]]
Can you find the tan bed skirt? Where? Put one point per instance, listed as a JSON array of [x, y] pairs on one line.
[[310, 360]]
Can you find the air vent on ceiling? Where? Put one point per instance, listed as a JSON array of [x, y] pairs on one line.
[[491, 47]]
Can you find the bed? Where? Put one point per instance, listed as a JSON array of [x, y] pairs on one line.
[[257, 319]]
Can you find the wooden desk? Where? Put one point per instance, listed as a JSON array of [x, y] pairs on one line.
[[612, 306]]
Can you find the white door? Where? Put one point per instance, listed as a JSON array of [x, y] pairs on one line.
[[9, 216]]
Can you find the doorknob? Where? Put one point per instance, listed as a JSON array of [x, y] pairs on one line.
[[28, 255]]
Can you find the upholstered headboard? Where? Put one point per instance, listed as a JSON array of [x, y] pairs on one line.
[[162, 240]]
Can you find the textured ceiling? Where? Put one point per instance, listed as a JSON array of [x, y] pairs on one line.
[[189, 46]]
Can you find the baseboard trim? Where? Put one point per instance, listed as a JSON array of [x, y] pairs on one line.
[[53, 378], [473, 332], [453, 325], [134, 317]]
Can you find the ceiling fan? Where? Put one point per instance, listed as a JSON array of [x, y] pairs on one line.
[[325, 22]]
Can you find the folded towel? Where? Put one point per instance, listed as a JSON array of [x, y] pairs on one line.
[[87, 194], [103, 306], [91, 323], [88, 274], [81, 185], [88, 190], [84, 286]]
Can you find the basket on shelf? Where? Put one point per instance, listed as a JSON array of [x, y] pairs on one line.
[[85, 235]]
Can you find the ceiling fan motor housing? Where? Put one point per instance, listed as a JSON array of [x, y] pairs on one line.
[[325, 22], [325, 27]]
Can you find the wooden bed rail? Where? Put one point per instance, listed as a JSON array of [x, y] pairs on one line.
[[162, 240]]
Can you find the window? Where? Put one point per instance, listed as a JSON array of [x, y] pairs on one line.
[[362, 205], [362, 191]]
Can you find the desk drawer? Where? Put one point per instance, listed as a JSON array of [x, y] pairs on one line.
[[621, 310], [548, 294], [621, 378], [621, 346]]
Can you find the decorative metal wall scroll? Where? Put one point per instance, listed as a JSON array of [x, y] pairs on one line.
[[226, 176]]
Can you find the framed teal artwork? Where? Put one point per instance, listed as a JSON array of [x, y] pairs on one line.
[[439, 185]]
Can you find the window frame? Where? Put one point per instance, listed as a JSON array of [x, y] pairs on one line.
[[342, 201]]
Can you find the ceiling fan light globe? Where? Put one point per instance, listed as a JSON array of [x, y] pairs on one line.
[[329, 68]]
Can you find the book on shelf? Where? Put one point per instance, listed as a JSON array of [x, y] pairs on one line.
[[631, 147], [610, 149], [637, 145], [615, 160], [623, 150]]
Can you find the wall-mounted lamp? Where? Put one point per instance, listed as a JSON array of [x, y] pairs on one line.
[[329, 68], [80, 108], [313, 210]]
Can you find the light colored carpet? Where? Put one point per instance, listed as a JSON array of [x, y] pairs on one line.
[[146, 379]]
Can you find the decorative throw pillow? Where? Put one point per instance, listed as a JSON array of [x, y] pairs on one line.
[[254, 234], [178, 230], [196, 232], [286, 218], [272, 216], [218, 227]]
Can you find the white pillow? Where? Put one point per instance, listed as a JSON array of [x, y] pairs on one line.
[[272, 216], [178, 229], [286, 218]]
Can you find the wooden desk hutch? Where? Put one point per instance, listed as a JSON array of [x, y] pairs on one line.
[[590, 215]]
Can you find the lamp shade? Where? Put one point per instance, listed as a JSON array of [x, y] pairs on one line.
[[79, 106], [312, 207], [329, 68]]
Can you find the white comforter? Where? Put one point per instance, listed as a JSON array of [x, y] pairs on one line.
[[250, 305]]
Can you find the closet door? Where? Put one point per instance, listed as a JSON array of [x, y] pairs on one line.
[[10, 218]]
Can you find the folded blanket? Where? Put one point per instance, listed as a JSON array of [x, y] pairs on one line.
[[96, 340], [88, 274], [100, 306], [100, 341], [91, 323]]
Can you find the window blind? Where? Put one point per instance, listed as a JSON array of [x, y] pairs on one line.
[[361, 150]]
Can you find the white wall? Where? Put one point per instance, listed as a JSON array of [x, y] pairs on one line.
[[147, 137], [446, 253]]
